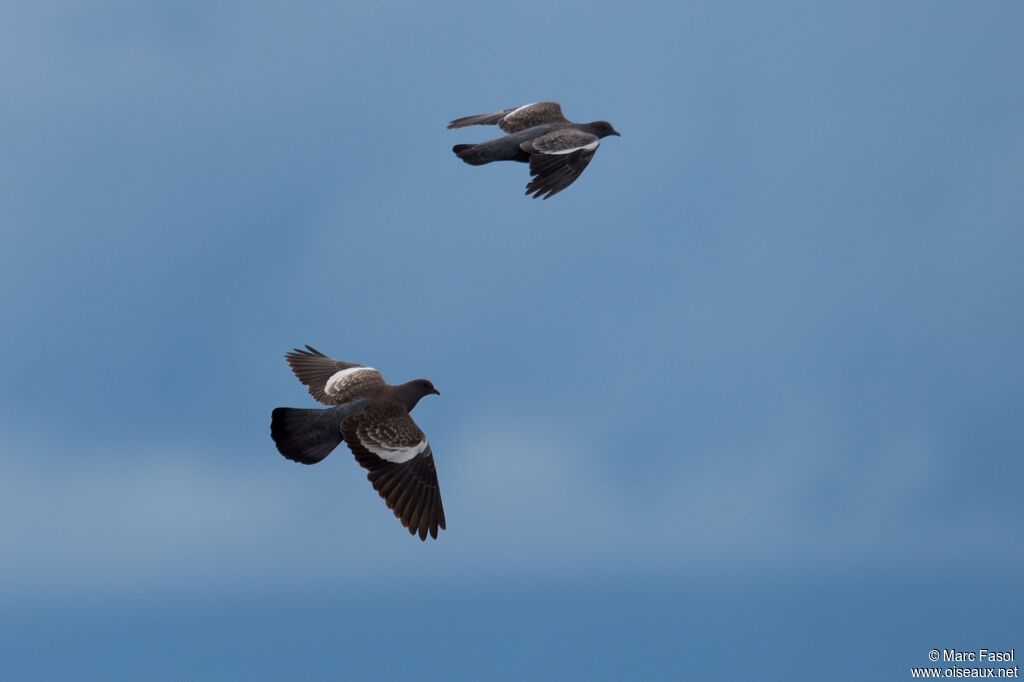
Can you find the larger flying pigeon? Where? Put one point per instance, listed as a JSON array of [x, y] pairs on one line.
[[373, 418], [556, 148]]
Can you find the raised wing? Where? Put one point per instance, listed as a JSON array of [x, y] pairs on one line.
[[517, 118], [557, 159], [330, 381], [388, 444]]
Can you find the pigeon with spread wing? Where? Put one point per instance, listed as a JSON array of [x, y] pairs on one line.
[[373, 418], [556, 148]]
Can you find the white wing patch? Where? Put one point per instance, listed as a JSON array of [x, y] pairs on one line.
[[397, 455], [593, 145], [518, 109], [336, 383]]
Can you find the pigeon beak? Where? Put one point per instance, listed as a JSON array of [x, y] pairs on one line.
[[437, 392], [616, 133]]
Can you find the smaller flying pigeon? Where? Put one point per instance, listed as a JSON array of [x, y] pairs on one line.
[[373, 418], [556, 148]]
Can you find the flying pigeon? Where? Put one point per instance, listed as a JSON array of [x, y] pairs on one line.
[[373, 418], [556, 148]]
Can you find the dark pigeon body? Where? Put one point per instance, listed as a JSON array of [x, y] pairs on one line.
[[557, 149], [373, 418]]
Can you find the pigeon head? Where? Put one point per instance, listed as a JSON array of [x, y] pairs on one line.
[[413, 390], [602, 128]]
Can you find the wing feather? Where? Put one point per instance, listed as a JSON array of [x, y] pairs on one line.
[[333, 382], [516, 118], [382, 439]]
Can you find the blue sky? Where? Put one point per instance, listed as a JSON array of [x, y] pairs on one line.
[[744, 401]]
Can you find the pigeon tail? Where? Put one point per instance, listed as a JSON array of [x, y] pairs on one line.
[[471, 155], [305, 436]]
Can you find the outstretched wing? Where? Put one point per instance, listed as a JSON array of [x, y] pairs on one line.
[[333, 382], [517, 118], [557, 159], [388, 444]]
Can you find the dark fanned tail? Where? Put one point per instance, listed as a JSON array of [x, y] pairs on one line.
[[470, 154], [307, 436]]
